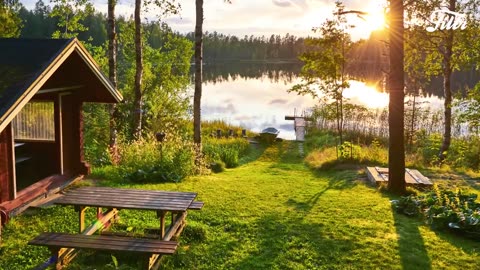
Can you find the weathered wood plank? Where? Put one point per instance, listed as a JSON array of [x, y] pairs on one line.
[[128, 199], [138, 191], [106, 243], [196, 205], [412, 177], [126, 205]]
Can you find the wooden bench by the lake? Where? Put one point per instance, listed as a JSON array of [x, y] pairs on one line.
[[148, 249], [65, 246]]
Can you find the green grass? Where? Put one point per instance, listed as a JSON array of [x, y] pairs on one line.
[[272, 212]]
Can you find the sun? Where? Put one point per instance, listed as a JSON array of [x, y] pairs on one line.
[[372, 19], [375, 20]]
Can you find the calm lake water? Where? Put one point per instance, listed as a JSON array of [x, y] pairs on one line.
[[256, 97]]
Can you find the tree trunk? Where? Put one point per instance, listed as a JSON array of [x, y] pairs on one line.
[[412, 123], [447, 91], [396, 151], [197, 137], [137, 107], [112, 75]]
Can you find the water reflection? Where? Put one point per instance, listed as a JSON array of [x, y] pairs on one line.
[[254, 103], [255, 96]]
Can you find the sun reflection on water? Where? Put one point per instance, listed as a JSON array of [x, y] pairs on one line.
[[361, 93]]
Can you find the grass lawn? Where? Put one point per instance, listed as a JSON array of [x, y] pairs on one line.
[[270, 213]]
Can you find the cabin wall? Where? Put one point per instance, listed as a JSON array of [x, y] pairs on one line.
[[72, 136], [7, 170]]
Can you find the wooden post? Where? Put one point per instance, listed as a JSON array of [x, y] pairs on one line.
[[81, 218], [7, 165], [161, 216]]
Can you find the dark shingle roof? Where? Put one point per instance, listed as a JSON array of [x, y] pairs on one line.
[[21, 62]]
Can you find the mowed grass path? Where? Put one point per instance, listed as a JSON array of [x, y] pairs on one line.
[[274, 213]]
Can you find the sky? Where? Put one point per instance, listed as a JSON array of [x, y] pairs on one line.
[[257, 17]]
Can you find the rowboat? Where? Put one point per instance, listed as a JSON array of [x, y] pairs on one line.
[[269, 134]]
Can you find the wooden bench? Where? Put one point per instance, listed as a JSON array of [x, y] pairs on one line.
[[146, 247], [196, 205]]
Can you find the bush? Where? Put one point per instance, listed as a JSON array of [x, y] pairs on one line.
[[349, 153], [146, 160], [229, 151], [217, 166], [444, 209]]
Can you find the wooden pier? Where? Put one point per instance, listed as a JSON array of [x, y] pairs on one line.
[[299, 124]]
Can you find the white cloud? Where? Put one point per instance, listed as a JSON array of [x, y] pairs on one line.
[[246, 17]]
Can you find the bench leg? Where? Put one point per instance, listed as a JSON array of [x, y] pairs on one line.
[[81, 217], [161, 215], [151, 262], [55, 258]]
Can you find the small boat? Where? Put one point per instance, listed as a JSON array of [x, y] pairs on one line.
[[269, 134]]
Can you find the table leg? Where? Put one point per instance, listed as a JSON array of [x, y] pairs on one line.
[[81, 217], [161, 215]]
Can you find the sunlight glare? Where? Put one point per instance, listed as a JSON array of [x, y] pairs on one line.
[[375, 20], [363, 94]]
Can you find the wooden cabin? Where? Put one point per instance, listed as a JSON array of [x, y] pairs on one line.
[[43, 85]]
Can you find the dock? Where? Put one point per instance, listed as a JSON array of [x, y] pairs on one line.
[[299, 125], [412, 177]]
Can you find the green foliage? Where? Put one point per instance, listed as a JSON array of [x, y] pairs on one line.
[[217, 166], [165, 82], [271, 213], [469, 111], [323, 74], [347, 153], [428, 147], [10, 22], [70, 14], [229, 151], [209, 128], [444, 209], [146, 160]]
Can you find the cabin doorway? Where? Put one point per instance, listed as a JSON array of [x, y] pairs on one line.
[[35, 143]]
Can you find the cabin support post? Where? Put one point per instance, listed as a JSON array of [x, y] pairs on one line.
[[7, 165]]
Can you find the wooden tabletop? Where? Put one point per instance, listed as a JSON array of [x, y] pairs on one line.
[[122, 198]]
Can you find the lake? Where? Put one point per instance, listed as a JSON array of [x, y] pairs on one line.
[[255, 96]]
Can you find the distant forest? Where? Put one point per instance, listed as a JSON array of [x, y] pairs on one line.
[[217, 47]]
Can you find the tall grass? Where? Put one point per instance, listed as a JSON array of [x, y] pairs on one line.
[[209, 129], [146, 160], [226, 150], [347, 153]]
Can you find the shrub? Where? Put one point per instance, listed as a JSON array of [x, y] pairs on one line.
[[229, 151], [145, 160], [347, 153], [444, 209], [217, 166]]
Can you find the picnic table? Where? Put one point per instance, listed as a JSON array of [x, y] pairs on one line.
[[63, 246]]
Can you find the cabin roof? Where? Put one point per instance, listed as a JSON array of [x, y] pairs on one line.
[[27, 65]]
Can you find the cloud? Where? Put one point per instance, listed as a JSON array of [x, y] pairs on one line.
[[287, 127], [244, 118], [228, 109], [278, 101], [288, 3], [281, 3]]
